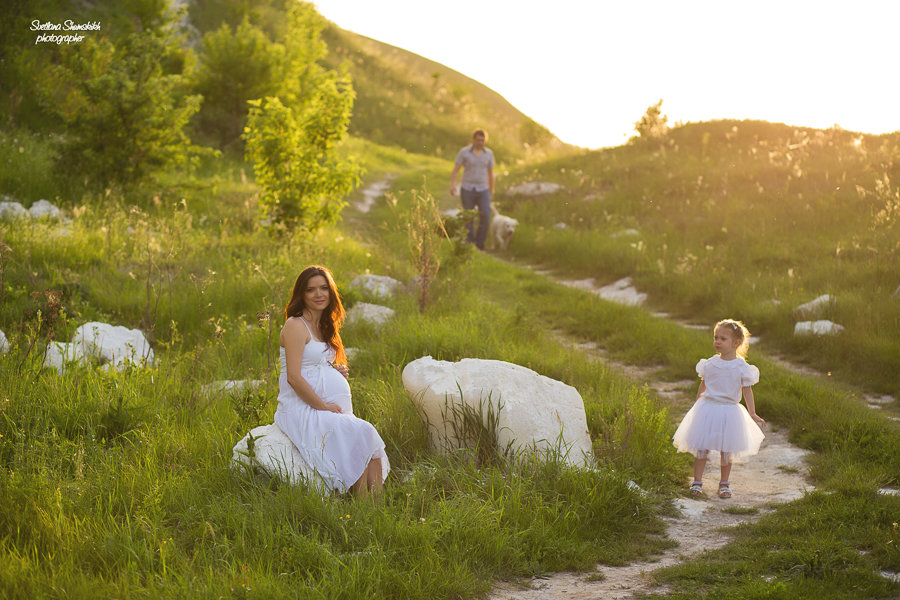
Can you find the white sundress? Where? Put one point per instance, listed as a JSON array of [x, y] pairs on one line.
[[718, 421], [338, 447]]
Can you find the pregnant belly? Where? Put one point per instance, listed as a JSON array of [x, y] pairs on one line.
[[337, 389]]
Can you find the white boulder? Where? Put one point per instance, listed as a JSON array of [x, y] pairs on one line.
[[369, 313], [814, 307], [533, 412], [59, 354], [231, 386], [113, 344], [12, 210], [817, 328], [44, 208], [4, 343], [379, 286], [274, 453], [534, 188], [623, 292]]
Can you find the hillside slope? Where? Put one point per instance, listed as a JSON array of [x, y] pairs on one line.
[[409, 101]]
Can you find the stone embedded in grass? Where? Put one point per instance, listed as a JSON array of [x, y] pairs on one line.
[[560, 225], [10, 209], [352, 352], [59, 354], [821, 327], [4, 343], [623, 292], [231, 386], [534, 188], [527, 411], [274, 453], [379, 286], [116, 346], [43, 208], [815, 307], [369, 313], [625, 233]]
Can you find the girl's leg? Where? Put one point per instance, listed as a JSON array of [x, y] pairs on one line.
[[360, 488], [700, 465], [726, 466]]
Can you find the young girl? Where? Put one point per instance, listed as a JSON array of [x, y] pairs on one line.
[[717, 421]]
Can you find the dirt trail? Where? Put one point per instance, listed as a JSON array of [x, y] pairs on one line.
[[777, 474]]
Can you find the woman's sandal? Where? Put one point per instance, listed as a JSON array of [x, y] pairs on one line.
[[724, 490], [696, 488]]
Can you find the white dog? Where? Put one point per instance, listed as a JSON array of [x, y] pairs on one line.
[[501, 230]]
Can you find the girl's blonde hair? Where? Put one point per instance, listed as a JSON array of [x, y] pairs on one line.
[[740, 333]]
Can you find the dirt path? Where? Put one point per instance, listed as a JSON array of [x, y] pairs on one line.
[[777, 474]]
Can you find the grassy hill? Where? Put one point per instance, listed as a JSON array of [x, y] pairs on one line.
[[744, 219], [405, 100]]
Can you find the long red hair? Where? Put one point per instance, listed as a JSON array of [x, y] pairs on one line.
[[332, 317]]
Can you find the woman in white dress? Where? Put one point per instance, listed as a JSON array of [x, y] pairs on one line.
[[717, 421], [314, 405]]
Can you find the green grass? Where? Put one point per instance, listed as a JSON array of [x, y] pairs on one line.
[[732, 216], [119, 485]]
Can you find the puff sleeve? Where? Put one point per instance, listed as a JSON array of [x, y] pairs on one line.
[[749, 375], [701, 366]]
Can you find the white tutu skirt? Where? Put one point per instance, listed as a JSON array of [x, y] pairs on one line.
[[716, 427]]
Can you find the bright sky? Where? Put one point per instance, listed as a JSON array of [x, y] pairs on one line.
[[588, 69]]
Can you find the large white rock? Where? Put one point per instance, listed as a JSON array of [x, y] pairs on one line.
[[821, 327], [12, 210], [379, 286], [534, 412], [4, 343], [59, 354], [113, 344], [623, 292], [534, 188], [275, 454], [814, 307], [44, 208], [369, 313]]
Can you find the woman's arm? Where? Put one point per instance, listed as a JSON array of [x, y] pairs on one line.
[[294, 338], [751, 405]]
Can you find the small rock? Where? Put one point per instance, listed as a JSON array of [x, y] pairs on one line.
[[4, 343], [44, 208], [814, 307], [560, 225], [116, 345], [625, 233], [379, 286], [534, 188], [12, 210], [231, 386], [817, 328], [369, 313], [623, 292], [352, 352]]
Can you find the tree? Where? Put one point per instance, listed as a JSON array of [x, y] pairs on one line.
[[292, 138], [234, 67], [653, 124], [123, 103]]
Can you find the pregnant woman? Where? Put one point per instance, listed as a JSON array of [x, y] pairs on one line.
[[314, 405]]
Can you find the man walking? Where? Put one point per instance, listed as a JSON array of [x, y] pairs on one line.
[[477, 186]]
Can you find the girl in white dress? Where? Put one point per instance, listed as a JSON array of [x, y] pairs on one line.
[[717, 421], [314, 404]]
